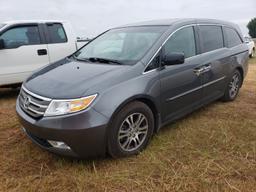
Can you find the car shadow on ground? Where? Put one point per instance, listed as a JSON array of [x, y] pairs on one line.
[[9, 93]]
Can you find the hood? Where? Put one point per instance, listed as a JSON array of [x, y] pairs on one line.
[[69, 79]]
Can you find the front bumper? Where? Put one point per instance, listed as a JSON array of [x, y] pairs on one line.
[[83, 132]]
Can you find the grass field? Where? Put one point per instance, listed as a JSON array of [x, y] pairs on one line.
[[212, 149]]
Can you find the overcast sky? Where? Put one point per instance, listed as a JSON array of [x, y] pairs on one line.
[[90, 18]]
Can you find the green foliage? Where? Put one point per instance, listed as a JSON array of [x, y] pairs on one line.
[[252, 27]]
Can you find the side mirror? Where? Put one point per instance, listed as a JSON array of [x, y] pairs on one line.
[[2, 46], [174, 58]]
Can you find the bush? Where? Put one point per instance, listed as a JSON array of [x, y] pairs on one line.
[[252, 27]]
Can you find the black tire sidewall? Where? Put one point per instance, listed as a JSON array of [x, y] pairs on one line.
[[135, 107]]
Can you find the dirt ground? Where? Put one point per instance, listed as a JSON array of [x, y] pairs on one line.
[[212, 149]]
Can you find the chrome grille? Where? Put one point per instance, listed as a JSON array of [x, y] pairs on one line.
[[32, 104]]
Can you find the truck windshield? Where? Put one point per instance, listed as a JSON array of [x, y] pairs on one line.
[[121, 46]]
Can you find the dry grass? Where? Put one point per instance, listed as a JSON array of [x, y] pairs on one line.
[[213, 149]]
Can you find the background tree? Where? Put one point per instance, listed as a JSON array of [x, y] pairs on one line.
[[252, 27]]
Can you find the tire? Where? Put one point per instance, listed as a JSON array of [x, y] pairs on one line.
[[126, 140], [234, 84]]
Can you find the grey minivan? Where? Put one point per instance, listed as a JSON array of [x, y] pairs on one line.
[[114, 93]]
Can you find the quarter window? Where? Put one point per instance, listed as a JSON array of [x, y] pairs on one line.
[[155, 63], [56, 33], [232, 37], [182, 41], [18, 36], [211, 38]]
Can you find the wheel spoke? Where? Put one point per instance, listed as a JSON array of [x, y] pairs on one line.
[[123, 136], [140, 121], [132, 121], [129, 143], [142, 132], [124, 145], [137, 141], [143, 128], [236, 79], [128, 121], [124, 131]]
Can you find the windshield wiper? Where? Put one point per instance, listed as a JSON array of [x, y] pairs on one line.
[[104, 60], [80, 59], [97, 59]]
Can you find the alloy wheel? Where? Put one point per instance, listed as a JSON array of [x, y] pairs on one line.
[[133, 132], [234, 85]]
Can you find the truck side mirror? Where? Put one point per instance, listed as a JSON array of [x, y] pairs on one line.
[[2, 46]]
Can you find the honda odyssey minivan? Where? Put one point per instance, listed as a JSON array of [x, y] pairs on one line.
[[114, 93]]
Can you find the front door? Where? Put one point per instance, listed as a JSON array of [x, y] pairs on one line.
[[61, 42], [23, 53], [180, 84]]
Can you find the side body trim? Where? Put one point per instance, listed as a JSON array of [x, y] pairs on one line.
[[195, 89]]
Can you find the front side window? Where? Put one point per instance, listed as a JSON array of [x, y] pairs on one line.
[[182, 41], [125, 45], [211, 38], [19, 36], [56, 33], [233, 38]]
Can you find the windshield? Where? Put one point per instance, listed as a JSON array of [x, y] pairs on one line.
[[1, 25], [123, 46]]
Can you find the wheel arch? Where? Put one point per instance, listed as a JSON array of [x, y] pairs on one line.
[[147, 100]]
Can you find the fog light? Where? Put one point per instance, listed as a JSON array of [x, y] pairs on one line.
[[58, 144]]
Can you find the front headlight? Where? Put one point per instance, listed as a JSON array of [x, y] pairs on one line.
[[61, 107]]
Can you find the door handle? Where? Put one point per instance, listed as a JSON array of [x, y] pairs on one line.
[[203, 69], [42, 52], [207, 68], [198, 71]]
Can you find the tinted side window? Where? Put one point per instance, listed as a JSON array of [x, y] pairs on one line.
[[211, 38], [56, 33], [233, 38], [22, 35], [182, 41]]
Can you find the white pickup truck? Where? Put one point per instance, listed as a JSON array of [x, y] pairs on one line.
[[26, 46], [251, 46]]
